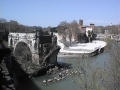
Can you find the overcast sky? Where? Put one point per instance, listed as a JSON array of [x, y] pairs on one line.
[[51, 12]]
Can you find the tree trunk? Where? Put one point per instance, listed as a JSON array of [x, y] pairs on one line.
[[89, 39]]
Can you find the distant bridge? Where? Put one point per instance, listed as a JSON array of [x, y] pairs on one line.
[[111, 36], [100, 36]]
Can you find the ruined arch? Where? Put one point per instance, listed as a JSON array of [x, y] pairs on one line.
[[23, 52]]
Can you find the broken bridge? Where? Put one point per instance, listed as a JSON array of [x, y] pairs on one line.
[[34, 47]]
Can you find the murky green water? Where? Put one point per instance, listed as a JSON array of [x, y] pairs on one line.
[[67, 84]]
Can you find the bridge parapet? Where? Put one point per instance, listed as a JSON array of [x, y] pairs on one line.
[[15, 38]]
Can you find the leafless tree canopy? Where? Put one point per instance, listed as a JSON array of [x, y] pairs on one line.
[[96, 78]]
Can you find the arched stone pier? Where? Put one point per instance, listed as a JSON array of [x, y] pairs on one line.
[[28, 46]]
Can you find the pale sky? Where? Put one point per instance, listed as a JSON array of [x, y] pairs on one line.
[[51, 12]]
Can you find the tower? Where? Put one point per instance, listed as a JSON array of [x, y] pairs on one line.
[[92, 26], [81, 22]]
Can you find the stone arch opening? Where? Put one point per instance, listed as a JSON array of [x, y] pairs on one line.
[[23, 52]]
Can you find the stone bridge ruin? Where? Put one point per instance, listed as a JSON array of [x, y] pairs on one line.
[[41, 50]]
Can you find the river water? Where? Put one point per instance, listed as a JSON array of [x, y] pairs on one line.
[[73, 62]]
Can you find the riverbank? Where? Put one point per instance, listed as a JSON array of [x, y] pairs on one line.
[[82, 49]]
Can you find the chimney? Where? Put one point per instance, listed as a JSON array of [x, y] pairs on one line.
[[92, 26]]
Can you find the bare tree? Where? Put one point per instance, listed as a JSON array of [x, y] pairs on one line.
[[69, 33], [74, 26], [115, 65], [90, 77], [2, 23], [72, 30], [105, 78], [61, 28]]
